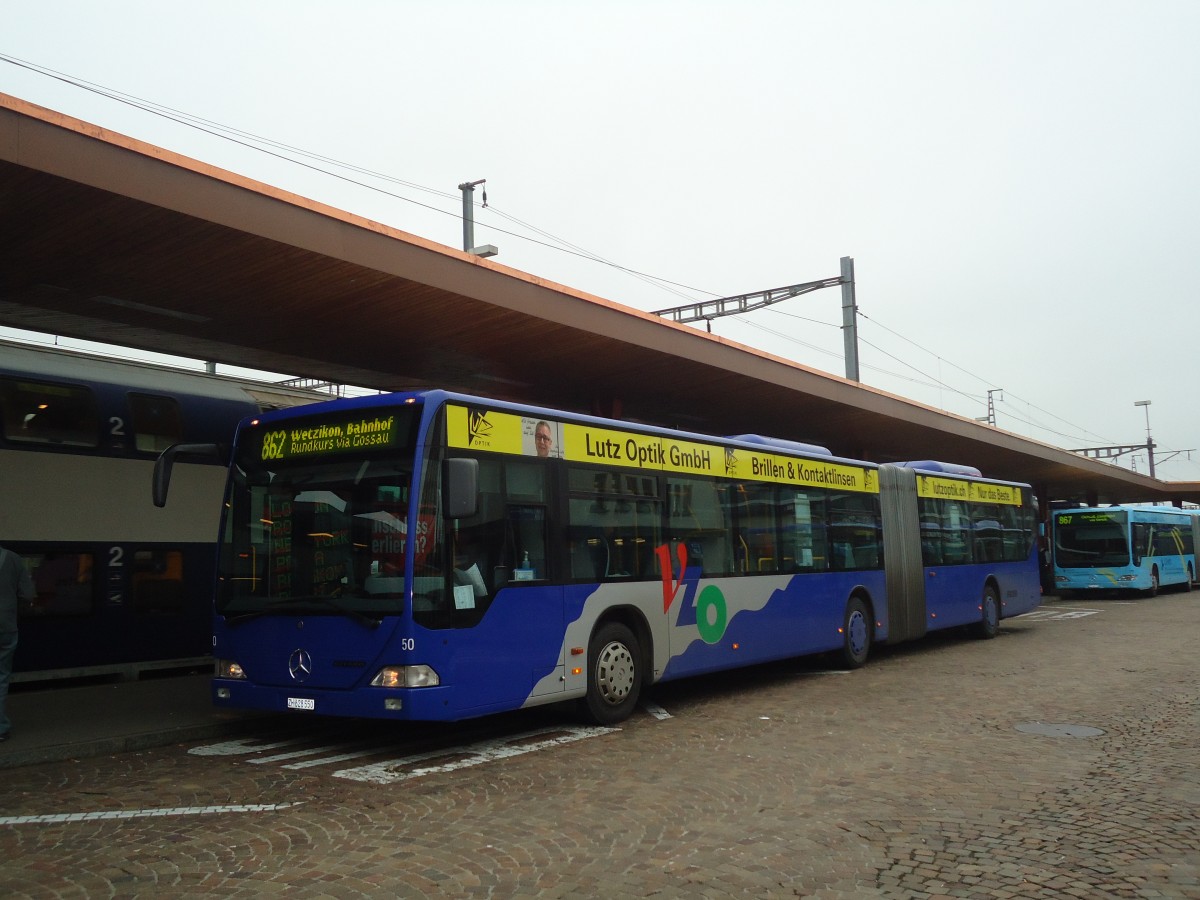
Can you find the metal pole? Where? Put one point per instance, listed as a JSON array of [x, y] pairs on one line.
[[849, 319], [1145, 404], [991, 416], [468, 217]]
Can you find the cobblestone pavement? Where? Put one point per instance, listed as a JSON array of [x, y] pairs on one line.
[[942, 769]]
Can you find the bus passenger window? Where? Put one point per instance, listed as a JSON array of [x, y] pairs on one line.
[[854, 532], [956, 532], [614, 524], [755, 516], [1012, 534], [803, 531], [988, 537], [699, 519], [933, 531]]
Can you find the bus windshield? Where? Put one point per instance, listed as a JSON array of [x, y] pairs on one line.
[[313, 531], [1091, 540]]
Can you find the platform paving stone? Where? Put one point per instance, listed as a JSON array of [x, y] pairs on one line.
[[906, 779]]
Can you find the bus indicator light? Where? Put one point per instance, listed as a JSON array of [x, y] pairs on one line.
[[406, 677], [228, 668]]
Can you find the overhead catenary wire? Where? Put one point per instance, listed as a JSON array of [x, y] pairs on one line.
[[297, 156], [259, 143], [1081, 434]]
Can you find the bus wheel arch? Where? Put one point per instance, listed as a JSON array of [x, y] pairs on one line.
[[989, 608], [618, 657], [858, 630]]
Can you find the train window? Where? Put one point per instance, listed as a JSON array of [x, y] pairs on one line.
[[158, 581], [44, 413], [63, 582], [157, 422]]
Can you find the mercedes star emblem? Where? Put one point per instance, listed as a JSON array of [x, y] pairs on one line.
[[300, 665]]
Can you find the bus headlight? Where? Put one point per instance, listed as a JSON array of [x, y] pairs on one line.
[[406, 677], [1127, 578], [227, 668]]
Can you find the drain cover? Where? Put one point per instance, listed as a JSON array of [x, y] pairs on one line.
[[1055, 729]]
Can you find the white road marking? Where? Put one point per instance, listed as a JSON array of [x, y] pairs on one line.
[[313, 751], [1058, 613], [389, 771], [245, 745], [657, 711], [329, 760], [143, 813]]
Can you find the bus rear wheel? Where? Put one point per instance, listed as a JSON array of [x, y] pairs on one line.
[[989, 622], [614, 674], [856, 634]]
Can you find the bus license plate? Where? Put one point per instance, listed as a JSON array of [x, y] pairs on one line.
[[301, 703]]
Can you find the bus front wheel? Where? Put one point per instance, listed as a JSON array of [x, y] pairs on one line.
[[614, 674], [1153, 591], [856, 634]]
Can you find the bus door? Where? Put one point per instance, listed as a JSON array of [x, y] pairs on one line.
[[503, 600]]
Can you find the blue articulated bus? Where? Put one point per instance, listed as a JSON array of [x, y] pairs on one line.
[[436, 556], [122, 587], [1124, 548]]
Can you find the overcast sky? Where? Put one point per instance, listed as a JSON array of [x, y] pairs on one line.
[[1016, 181]]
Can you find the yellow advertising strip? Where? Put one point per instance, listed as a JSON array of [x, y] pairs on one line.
[[816, 473], [995, 493], [498, 432], [486, 430], [586, 443], [971, 491]]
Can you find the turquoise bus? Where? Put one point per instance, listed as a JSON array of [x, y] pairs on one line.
[[1124, 548], [436, 556]]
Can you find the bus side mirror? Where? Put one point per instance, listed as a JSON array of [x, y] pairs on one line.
[[166, 461], [460, 485]]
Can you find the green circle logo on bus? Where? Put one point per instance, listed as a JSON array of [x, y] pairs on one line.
[[711, 614]]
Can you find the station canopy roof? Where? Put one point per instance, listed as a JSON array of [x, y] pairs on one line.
[[109, 239]]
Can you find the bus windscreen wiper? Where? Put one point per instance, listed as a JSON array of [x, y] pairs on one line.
[[302, 605]]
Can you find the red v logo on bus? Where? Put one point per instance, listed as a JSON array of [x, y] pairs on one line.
[[670, 584]]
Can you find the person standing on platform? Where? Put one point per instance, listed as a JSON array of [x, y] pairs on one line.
[[15, 585]]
